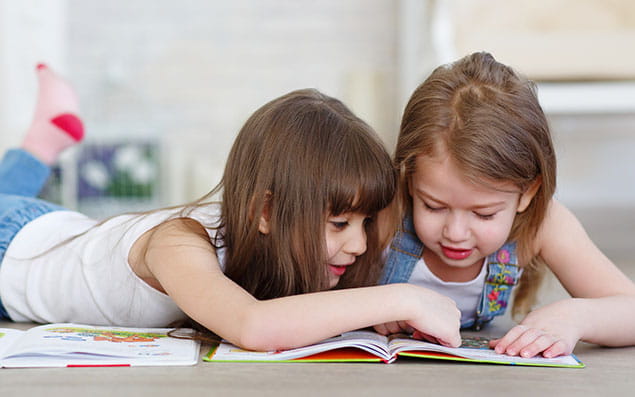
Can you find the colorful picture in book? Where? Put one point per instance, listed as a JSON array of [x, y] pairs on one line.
[[83, 334], [475, 342]]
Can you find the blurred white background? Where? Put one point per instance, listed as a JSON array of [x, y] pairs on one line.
[[185, 75]]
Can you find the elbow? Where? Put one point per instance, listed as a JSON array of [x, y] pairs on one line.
[[251, 339], [259, 332]]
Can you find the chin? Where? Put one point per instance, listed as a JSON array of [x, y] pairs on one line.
[[464, 263]]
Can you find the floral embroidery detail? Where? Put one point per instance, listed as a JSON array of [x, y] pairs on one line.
[[495, 299], [503, 256], [499, 282], [503, 273]]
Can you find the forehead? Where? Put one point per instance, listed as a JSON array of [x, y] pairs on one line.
[[439, 178]]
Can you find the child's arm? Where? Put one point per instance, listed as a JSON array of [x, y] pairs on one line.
[[179, 255], [602, 309]]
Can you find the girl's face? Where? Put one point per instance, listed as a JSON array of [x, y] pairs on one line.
[[458, 221], [345, 236]]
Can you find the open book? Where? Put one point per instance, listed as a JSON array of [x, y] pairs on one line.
[[368, 346], [70, 345]]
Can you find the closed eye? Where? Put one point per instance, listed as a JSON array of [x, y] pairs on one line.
[[339, 225], [485, 216], [433, 209]]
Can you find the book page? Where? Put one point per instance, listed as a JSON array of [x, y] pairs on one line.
[[477, 349], [70, 344], [8, 337], [364, 340]]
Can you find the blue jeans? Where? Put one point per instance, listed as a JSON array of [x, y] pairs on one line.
[[22, 176]]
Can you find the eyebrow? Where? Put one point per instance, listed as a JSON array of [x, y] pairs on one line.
[[427, 195]]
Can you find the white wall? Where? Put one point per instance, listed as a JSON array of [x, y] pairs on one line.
[[190, 72], [31, 31], [593, 125]]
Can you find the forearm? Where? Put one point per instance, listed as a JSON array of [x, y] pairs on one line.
[[608, 321], [303, 319]]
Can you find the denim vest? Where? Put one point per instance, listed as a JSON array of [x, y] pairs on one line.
[[503, 272]]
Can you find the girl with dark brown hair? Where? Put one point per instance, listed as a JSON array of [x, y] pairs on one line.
[[303, 187]]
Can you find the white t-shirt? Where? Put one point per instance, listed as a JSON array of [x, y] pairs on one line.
[[467, 294], [87, 280]]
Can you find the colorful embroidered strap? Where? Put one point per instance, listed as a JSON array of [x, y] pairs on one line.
[[503, 273]]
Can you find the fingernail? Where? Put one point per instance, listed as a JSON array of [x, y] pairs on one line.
[[40, 66]]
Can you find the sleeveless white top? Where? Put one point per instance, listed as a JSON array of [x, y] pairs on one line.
[[87, 280], [466, 294]]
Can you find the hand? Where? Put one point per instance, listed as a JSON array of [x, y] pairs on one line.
[[439, 320], [397, 327], [550, 330], [436, 318], [393, 327]]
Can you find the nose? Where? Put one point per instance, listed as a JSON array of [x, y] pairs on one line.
[[356, 244], [456, 227]]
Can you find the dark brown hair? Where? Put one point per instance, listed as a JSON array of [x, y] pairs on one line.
[[298, 159], [488, 120]]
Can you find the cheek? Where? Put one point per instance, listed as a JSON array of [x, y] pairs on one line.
[[427, 225], [331, 246], [494, 234]]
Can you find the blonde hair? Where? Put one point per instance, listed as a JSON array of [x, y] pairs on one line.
[[296, 160], [487, 119]]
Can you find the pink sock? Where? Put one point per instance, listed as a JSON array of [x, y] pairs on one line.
[[55, 125]]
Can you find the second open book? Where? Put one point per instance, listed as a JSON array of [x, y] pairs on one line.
[[71, 345], [368, 346]]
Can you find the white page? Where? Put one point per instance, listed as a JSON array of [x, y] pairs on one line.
[[73, 344], [8, 337]]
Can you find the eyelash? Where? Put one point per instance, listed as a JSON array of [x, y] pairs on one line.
[[485, 217], [481, 216], [433, 209], [339, 225]]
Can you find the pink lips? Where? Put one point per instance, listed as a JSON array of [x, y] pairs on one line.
[[337, 270], [455, 254]]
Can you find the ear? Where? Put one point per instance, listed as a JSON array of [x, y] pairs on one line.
[[263, 222], [528, 195]]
